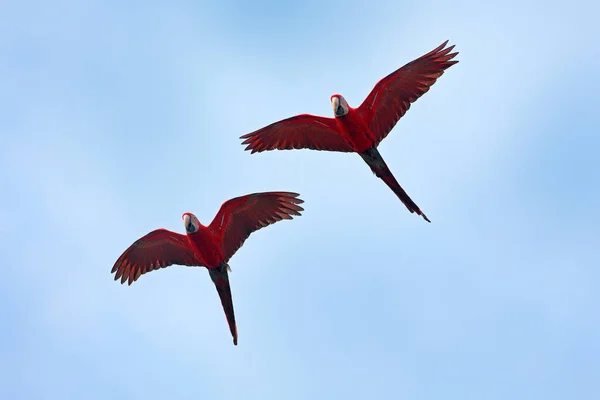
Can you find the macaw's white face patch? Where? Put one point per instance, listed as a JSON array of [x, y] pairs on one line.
[[339, 105], [191, 223]]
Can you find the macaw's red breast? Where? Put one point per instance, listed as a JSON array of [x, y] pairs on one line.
[[207, 247], [356, 131]]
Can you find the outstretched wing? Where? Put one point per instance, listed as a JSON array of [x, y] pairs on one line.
[[392, 96], [303, 131], [239, 217], [158, 249]]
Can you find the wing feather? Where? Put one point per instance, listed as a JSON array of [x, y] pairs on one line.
[[239, 217], [303, 131], [158, 249], [393, 95]]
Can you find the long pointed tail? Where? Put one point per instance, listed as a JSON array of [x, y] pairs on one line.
[[381, 170], [220, 278]]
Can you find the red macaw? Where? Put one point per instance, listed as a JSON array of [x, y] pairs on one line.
[[208, 246], [360, 130]]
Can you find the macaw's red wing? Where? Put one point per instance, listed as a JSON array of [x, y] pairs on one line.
[[158, 249], [241, 216], [220, 278], [303, 131], [392, 96]]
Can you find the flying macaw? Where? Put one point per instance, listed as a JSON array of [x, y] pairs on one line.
[[360, 130], [208, 246]]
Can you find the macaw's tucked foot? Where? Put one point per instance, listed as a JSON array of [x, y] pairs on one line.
[[381, 170], [220, 278]]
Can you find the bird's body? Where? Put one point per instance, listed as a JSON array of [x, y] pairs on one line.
[[208, 246], [360, 130], [355, 130]]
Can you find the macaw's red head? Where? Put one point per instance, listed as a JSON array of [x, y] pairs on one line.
[[340, 106], [190, 222]]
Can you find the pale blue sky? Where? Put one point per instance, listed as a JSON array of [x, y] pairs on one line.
[[116, 117]]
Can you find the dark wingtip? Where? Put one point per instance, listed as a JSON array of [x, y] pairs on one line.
[[292, 195], [425, 217], [235, 340], [440, 47]]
